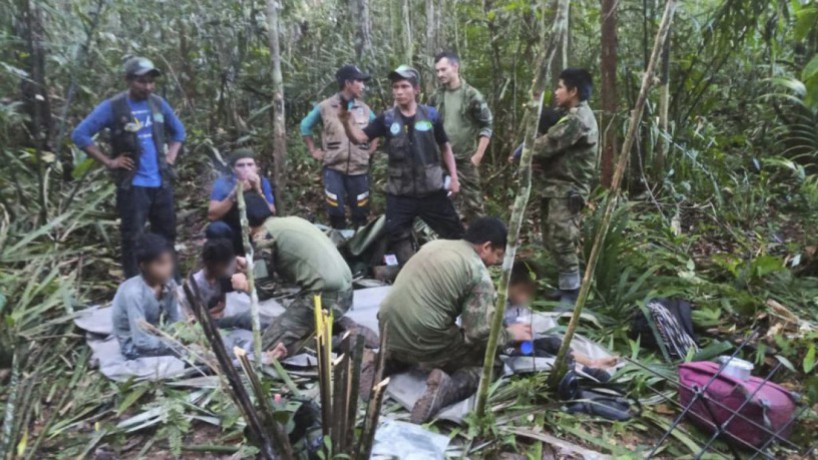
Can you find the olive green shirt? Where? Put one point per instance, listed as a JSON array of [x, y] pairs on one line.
[[445, 280], [466, 117], [300, 254]]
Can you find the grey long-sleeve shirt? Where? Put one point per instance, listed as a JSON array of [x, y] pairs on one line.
[[135, 302]]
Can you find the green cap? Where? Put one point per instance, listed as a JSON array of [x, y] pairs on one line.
[[239, 154], [405, 72], [138, 66]]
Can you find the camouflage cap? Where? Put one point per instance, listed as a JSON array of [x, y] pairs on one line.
[[405, 72], [239, 154], [138, 66]]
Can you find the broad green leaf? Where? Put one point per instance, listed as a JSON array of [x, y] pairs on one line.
[[809, 359]]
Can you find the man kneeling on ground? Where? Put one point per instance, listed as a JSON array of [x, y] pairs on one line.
[[301, 255], [447, 279], [149, 297]]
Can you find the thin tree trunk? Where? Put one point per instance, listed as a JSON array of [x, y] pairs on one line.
[[279, 130], [531, 121], [251, 279], [6, 437], [363, 29], [408, 44], [609, 96], [431, 45], [664, 103], [613, 196]]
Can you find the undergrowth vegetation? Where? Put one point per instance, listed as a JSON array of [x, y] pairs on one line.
[[728, 222]]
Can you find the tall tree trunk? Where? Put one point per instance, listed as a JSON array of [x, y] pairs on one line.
[[613, 195], [609, 96], [431, 45], [406, 33], [363, 29], [664, 103], [531, 121], [279, 130], [35, 95]]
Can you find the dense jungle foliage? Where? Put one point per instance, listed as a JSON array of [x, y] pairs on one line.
[[722, 192]]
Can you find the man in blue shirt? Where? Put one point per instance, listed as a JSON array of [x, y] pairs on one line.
[[223, 210], [145, 137]]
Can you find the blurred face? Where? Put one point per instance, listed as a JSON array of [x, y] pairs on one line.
[[446, 71], [160, 270], [490, 255], [218, 270], [356, 88], [520, 293], [404, 93], [565, 97], [141, 87], [244, 168]]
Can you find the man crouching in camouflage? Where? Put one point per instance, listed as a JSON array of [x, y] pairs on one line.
[[566, 157], [447, 279], [299, 254]]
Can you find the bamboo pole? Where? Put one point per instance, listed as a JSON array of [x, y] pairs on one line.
[[531, 121], [251, 278], [613, 196]]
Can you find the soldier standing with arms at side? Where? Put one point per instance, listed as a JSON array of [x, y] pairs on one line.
[[418, 148], [468, 123], [566, 155], [146, 137], [346, 165]]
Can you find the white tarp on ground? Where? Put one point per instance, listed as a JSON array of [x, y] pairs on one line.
[[404, 388]]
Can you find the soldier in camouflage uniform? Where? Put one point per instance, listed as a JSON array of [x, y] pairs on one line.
[[447, 279], [566, 155], [468, 123], [299, 254]]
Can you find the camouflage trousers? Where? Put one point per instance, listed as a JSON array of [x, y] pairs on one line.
[[465, 359], [297, 323], [561, 233], [469, 201]]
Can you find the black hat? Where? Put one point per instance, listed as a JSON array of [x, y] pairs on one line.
[[350, 72], [240, 154], [405, 72], [138, 66]]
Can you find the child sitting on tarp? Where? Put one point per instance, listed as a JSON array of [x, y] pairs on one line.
[[148, 298], [222, 272], [521, 288]]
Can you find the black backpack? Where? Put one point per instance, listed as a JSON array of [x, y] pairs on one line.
[[665, 325]]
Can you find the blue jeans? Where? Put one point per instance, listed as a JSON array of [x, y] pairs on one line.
[[342, 190]]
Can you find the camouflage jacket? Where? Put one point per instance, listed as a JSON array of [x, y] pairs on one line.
[[464, 126], [567, 154], [445, 280]]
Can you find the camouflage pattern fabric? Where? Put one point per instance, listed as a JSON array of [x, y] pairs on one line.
[[297, 323], [469, 202], [561, 232], [444, 280], [567, 154]]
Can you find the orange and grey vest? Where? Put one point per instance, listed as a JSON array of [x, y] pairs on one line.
[[339, 153], [414, 167], [125, 142]]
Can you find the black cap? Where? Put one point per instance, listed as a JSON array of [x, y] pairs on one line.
[[138, 66], [240, 154], [405, 72], [350, 72]]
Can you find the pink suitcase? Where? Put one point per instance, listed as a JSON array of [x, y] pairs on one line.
[[770, 409]]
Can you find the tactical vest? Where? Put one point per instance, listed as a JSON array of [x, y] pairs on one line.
[[125, 142], [414, 159], [339, 153]]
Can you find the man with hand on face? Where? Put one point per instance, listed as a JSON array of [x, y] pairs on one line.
[[146, 137], [447, 280], [346, 165], [418, 148], [223, 210], [468, 123], [566, 157]]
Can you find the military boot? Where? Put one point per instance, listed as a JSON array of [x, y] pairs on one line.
[[441, 391]]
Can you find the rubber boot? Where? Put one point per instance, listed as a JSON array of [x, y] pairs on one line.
[[568, 299], [442, 390]]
